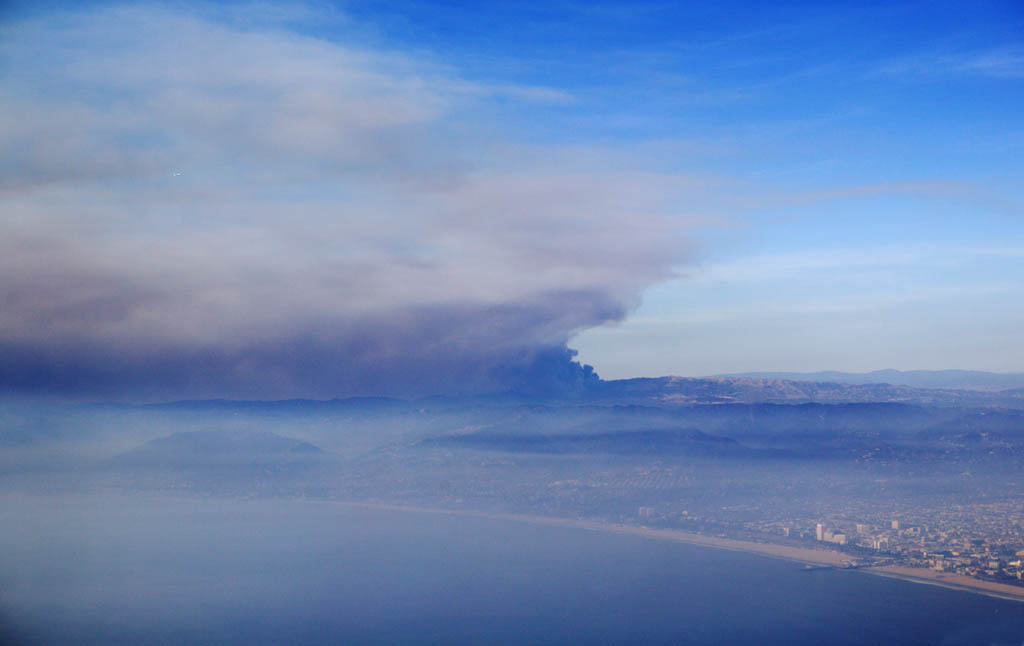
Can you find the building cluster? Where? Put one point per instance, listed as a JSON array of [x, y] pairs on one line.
[[984, 541], [828, 535]]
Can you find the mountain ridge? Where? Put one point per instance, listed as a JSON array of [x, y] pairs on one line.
[[931, 379], [656, 391]]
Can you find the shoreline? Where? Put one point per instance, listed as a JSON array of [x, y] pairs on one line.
[[948, 580], [809, 556], [785, 552]]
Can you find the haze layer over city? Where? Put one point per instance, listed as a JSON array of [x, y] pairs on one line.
[[405, 322]]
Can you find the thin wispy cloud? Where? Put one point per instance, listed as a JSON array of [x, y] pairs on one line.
[[878, 260], [1004, 62]]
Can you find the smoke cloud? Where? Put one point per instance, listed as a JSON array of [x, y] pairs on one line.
[[194, 208]]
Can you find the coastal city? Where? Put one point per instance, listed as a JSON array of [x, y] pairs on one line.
[[984, 543], [928, 494], [977, 534]]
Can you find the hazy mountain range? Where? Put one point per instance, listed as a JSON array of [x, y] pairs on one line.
[[948, 379], [745, 389]]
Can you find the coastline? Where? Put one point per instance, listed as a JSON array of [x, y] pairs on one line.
[[795, 554], [948, 580]]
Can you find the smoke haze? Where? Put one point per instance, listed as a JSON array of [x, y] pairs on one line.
[[197, 207]]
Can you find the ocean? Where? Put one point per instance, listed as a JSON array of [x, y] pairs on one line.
[[134, 570]]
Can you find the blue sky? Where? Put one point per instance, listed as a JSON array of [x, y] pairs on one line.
[[403, 189]]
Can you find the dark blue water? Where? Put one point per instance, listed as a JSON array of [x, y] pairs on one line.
[[129, 570]]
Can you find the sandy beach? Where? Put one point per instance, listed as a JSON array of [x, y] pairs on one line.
[[803, 555], [797, 554], [949, 580]]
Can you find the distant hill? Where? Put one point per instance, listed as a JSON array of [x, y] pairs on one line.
[[221, 450], [220, 461], [943, 379]]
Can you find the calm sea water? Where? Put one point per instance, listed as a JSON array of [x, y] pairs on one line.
[[133, 571]]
